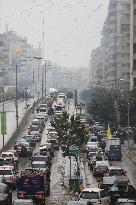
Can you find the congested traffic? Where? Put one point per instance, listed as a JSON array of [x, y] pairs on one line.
[[109, 182]]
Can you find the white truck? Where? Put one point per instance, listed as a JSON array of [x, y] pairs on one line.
[[112, 141]]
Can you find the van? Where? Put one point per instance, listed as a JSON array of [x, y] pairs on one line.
[[95, 195]]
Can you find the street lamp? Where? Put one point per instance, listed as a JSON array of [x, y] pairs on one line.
[[38, 59]]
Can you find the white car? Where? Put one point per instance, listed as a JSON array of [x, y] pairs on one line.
[[95, 195]]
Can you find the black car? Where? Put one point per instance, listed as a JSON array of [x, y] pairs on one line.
[[5, 194]]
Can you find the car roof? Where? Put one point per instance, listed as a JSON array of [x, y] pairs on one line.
[[92, 189], [38, 162], [6, 167], [35, 120], [3, 184], [7, 153], [126, 200], [23, 200], [117, 168], [102, 163]]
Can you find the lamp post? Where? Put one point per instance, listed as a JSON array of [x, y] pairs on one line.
[[38, 59]]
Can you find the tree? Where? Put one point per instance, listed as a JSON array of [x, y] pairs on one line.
[[102, 106], [71, 132]]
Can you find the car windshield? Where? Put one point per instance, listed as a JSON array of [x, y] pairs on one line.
[[40, 159], [38, 165], [35, 128], [117, 172], [127, 203], [102, 168], [2, 189], [89, 195], [23, 144], [7, 155], [5, 172]]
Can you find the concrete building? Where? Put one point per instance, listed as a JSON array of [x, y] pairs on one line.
[[96, 68], [133, 45], [116, 45], [14, 50]]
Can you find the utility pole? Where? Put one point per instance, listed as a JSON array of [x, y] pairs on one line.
[[16, 100], [42, 81]]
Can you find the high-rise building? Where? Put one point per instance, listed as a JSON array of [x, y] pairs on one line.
[[116, 45], [96, 68], [133, 45]]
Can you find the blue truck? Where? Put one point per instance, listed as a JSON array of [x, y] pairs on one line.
[[32, 185]]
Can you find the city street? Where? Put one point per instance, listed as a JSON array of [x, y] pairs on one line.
[[60, 171]]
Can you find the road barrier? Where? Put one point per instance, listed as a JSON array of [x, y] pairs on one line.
[[21, 126]]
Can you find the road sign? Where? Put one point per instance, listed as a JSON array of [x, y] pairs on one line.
[[80, 181], [73, 148], [74, 152]]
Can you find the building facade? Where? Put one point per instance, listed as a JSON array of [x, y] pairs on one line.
[[96, 68], [116, 45], [133, 45]]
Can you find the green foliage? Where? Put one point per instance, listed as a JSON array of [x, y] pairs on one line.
[[71, 132], [102, 106]]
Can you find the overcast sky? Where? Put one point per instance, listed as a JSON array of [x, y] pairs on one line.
[[72, 27]]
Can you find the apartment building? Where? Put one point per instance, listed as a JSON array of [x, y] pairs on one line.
[[116, 45], [133, 45], [96, 68]]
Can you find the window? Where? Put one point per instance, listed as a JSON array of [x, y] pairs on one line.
[[125, 27], [134, 82], [1, 43], [134, 65], [134, 48]]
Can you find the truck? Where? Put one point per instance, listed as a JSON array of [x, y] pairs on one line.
[[113, 149], [32, 185]]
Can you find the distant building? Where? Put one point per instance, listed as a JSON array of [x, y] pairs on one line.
[[96, 77]]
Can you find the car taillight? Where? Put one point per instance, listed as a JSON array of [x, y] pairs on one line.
[[125, 173], [11, 177], [40, 196], [109, 174], [21, 195]]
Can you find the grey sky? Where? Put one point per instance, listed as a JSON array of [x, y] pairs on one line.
[[72, 27]]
